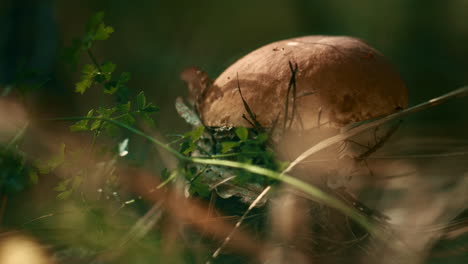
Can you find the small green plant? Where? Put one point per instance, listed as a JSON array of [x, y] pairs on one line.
[[127, 110]]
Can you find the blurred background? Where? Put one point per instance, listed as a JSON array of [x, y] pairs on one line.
[[155, 40]]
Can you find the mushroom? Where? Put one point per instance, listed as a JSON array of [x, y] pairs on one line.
[[339, 80], [328, 82]]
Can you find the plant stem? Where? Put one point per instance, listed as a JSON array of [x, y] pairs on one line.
[[93, 59], [309, 189]]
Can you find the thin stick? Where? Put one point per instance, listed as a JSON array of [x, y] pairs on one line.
[[93, 59], [222, 182], [379, 143], [363, 126], [319, 117], [291, 85], [254, 121], [424, 156], [286, 108]]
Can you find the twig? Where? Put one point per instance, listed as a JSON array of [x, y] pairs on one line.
[[198, 174], [274, 126], [38, 218], [455, 230], [358, 144], [255, 124], [379, 143], [304, 94], [223, 181], [292, 83], [424, 156], [319, 117], [355, 129], [409, 156], [291, 86], [349, 198], [248, 120], [93, 59]]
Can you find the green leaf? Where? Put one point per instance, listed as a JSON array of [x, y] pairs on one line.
[[103, 32], [89, 72], [94, 21], [96, 30], [148, 120], [195, 134], [124, 108], [107, 69], [141, 100], [128, 119], [83, 85], [82, 125], [100, 78], [114, 86], [105, 112], [123, 94], [242, 133], [262, 137], [95, 125], [228, 145], [111, 87], [200, 188], [150, 108], [89, 69], [187, 147]]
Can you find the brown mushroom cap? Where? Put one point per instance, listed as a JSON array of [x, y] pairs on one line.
[[340, 80]]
